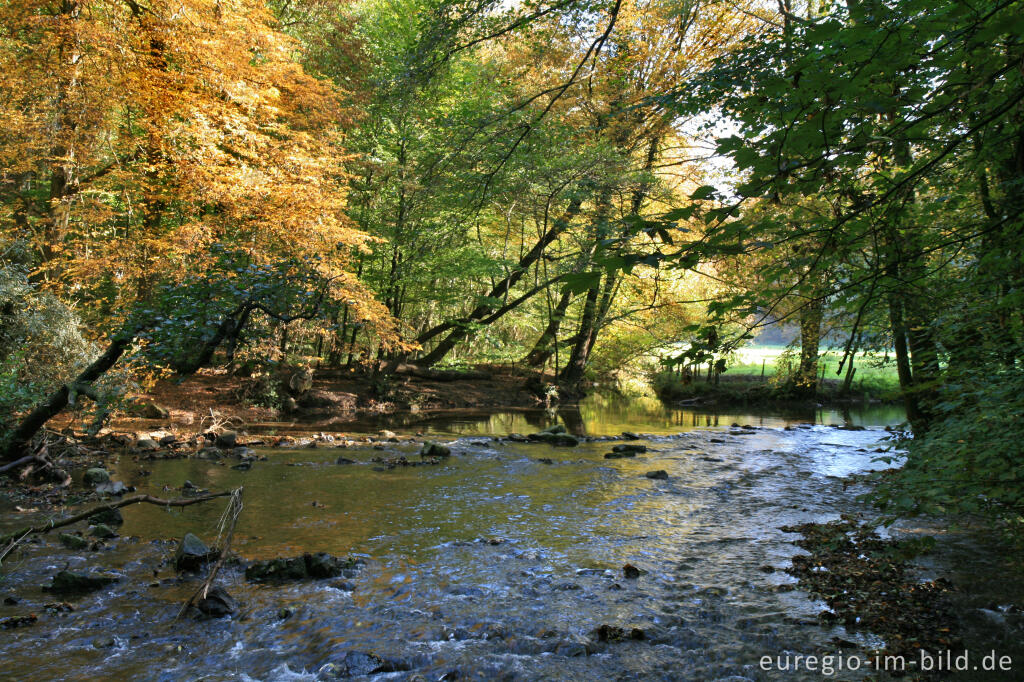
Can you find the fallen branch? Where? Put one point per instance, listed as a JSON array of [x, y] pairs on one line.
[[27, 459], [148, 499]]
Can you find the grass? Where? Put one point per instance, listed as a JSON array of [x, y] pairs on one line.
[[752, 375], [874, 373]]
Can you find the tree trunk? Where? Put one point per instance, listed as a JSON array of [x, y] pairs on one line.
[[806, 383], [545, 345], [64, 162], [20, 439]]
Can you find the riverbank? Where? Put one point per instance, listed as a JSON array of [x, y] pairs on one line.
[[336, 395]]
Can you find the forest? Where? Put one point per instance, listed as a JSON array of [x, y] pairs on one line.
[[582, 194]]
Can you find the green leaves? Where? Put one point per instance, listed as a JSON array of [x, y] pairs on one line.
[[580, 282]]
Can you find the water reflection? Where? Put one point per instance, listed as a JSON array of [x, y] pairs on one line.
[[599, 415]]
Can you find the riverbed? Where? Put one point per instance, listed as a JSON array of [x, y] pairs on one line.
[[503, 561]]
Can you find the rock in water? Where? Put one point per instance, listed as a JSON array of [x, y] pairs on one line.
[[308, 566], [72, 541], [630, 571], [113, 488], [629, 447], [555, 437], [431, 449], [217, 603], [659, 475], [359, 664], [67, 582], [95, 476], [110, 517], [102, 531], [191, 554]]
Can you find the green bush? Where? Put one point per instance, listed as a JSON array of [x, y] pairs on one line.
[[41, 344], [971, 461]]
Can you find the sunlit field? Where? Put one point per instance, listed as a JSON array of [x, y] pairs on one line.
[[874, 372]]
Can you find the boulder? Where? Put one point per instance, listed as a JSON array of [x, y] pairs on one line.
[[147, 444], [629, 435], [431, 449], [191, 554], [67, 582], [226, 439], [658, 475], [95, 476], [629, 447], [619, 455], [217, 603]]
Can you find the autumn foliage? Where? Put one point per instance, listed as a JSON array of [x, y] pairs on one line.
[[139, 134]]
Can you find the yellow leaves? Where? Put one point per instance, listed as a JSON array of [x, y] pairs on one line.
[[186, 124]]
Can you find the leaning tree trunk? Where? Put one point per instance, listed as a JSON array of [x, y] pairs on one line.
[[21, 438]]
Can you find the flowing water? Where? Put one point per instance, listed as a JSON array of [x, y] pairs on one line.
[[499, 563]]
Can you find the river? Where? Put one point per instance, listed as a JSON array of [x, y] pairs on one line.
[[501, 562]]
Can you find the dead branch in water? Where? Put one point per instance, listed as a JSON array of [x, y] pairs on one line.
[[148, 499], [230, 516]]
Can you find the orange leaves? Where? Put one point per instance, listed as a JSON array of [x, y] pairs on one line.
[[136, 136]]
